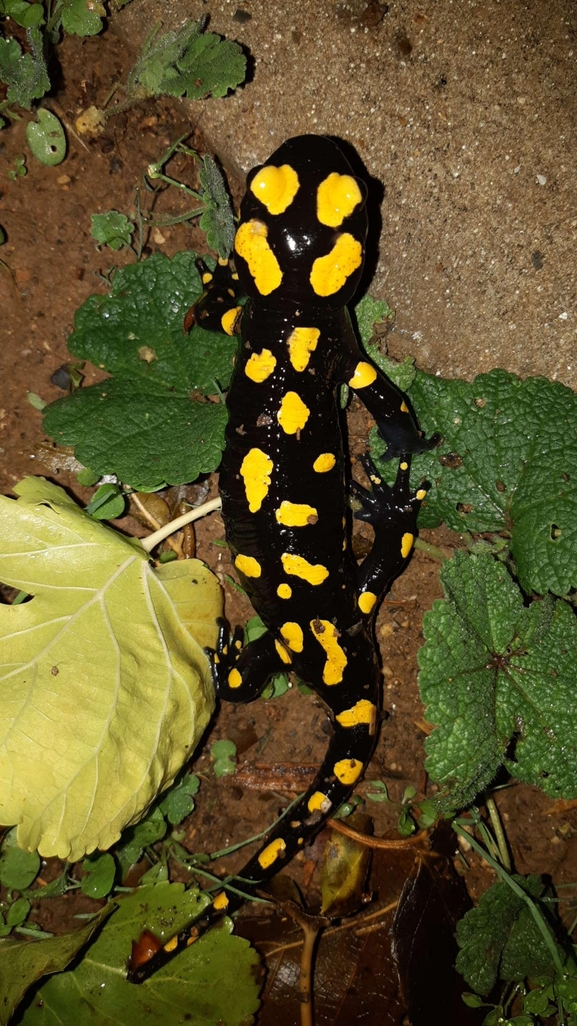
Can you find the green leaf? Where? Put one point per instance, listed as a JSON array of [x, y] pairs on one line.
[[23, 13], [106, 684], [112, 229], [223, 754], [107, 503], [87, 477], [500, 938], [498, 676], [217, 221], [146, 425], [212, 981], [508, 462], [137, 838], [179, 801], [46, 138], [83, 17], [369, 312], [146, 435], [25, 962], [18, 868], [188, 63], [18, 912], [25, 74], [100, 870]]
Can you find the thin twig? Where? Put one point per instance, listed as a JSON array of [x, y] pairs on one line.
[[148, 544]]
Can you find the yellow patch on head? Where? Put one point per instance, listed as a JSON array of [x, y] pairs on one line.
[[348, 770], [234, 679], [292, 634], [296, 514], [171, 944], [275, 187], [293, 413], [404, 408], [298, 566], [301, 343], [367, 601], [271, 853], [328, 637], [330, 272], [406, 544], [248, 565], [221, 901], [324, 462], [284, 591], [256, 469], [318, 802], [362, 712], [364, 375], [252, 245], [285, 656], [260, 366], [229, 320], [337, 197]]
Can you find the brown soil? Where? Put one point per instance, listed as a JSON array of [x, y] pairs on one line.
[[51, 264]]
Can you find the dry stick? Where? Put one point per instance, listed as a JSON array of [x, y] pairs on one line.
[[377, 842], [175, 546], [148, 544], [349, 925]]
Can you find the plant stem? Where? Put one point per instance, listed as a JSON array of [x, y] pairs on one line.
[[499, 833]]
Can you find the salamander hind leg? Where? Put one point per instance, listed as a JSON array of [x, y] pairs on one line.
[[392, 511]]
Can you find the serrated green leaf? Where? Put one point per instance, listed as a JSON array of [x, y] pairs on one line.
[[209, 66], [368, 313], [106, 684], [500, 938], [25, 962], [137, 430], [23, 13], [508, 462], [25, 74], [213, 981], [82, 17], [18, 868], [158, 58], [179, 801], [112, 229], [223, 754], [497, 676], [100, 872], [46, 138], [217, 221]]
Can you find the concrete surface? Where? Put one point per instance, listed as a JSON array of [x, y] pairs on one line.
[[466, 112]]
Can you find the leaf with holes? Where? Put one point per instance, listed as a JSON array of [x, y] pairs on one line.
[[106, 687]]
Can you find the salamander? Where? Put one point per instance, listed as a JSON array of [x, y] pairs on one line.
[[299, 253]]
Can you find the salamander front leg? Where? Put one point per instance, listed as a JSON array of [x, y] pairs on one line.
[[392, 511], [241, 672]]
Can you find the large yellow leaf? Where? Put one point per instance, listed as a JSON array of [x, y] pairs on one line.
[[104, 685]]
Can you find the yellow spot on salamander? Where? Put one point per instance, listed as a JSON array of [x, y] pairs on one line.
[[191, 940], [221, 901], [318, 802], [206, 278], [248, 565], [260, 366], [421, 494], [364, 375], [284, 591], [298, 566], [229, 320], [251, 244], [234, 679], [292, 634], [330, 272], [271, 853], [404, 408], [296, 514], [348, 770], [275, 187], [406, 544], [171, 944], [337, 197], [404, 466], [327, 636], [301, 343], [367, 601], [363, 712], [256, 469], [324, 462], [281, 649], [293, 413]]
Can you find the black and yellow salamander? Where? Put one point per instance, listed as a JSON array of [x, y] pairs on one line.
[[299, 253]]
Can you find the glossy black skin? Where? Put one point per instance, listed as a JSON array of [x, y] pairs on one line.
[[297, 238]]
